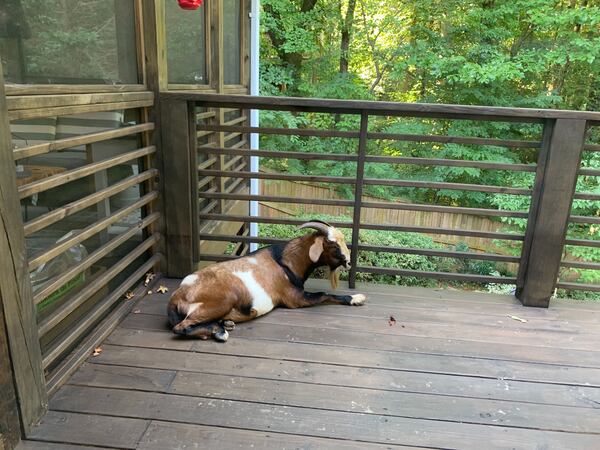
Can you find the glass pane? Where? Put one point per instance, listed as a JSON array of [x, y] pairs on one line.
[[231, 41], [67, 41], [186, 45]]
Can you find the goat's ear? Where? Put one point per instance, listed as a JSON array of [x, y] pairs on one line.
[[316, 249]]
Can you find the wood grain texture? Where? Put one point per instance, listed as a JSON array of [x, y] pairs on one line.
[[86, 429], [15, 288], [381, 108], [178, 162], [10, 425], [559, 161], [317, 423], [452, 372]]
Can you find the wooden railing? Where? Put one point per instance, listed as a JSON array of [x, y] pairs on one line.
[[200, 200]]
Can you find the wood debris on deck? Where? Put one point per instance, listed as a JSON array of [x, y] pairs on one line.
[[413, 368]]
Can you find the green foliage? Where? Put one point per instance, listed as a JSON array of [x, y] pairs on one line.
[[524, 53]]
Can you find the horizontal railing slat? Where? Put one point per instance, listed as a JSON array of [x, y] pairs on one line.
[[83, 171], [89, 231], [269, 198], [280, 154], [511, 143], [440, 253], [281, 131], [584, 219], [448, 231], [586, 196], [583, 243], [579, 286], [77, 109], [23, 102], [580, 265], [275, 176], [71, 142], [444, 185], [71, 208], [471, 278], [445, 209], [238, 238], [450, 163]]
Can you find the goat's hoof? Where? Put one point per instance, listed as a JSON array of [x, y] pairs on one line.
[[229, 325], [358, 299], [221, 335]]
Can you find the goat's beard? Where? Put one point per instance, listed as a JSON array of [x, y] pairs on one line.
[[334, 277]]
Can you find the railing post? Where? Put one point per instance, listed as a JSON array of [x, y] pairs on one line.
[[358, 188], [16, 297], [180, 190], [552, 197]]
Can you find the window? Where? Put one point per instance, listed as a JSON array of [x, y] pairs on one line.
[[68, 42], [186, 44], [232, 37]]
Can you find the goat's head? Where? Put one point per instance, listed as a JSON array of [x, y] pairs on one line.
[[329, 249]]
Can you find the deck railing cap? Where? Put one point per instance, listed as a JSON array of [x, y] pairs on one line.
[[381, 108]]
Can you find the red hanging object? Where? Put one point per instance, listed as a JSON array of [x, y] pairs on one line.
[[190, 4]]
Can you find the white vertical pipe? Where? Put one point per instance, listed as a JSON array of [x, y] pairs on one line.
[[254, 119]]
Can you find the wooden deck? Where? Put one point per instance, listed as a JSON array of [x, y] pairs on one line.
[[454, 370]]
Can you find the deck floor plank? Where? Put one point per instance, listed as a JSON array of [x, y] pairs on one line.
[[453, 371]]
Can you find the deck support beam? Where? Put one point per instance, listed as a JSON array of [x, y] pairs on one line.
[[16, 297], [180, 181], [556, 177]]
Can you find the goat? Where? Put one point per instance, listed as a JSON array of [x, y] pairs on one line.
[[209, 302]]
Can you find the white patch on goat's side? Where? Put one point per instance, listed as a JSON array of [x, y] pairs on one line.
[[358, 299], [189, 280], [193, 307], [261, 301], [253, 260]]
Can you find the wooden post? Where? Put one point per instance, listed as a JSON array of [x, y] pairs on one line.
[[556, 177], [179, 161], [358, 188], [15, 287], [151, 17], [10, 428]]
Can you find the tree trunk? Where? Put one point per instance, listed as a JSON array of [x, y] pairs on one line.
[[346, 36]]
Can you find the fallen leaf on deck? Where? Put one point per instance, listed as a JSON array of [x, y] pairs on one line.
[[136, 311], [162, 289], [129, 295], [149, 278], [391, 321], [97, 351], [149, 292], [518, 319]]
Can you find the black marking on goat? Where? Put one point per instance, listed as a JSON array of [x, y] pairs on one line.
[[173, 314], [316, 297], [246, 308], [277, 254]]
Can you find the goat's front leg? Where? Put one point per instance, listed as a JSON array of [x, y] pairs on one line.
[[302, 299], [219, 331]]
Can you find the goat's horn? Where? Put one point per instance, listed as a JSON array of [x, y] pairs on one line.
[[317, 225]]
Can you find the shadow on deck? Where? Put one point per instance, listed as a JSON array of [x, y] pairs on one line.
[[454, 370]]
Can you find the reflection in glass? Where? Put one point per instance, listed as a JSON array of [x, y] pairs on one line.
[[67, 42], [186, 45]]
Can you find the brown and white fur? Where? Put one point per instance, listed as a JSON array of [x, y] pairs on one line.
[[210, 301]]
